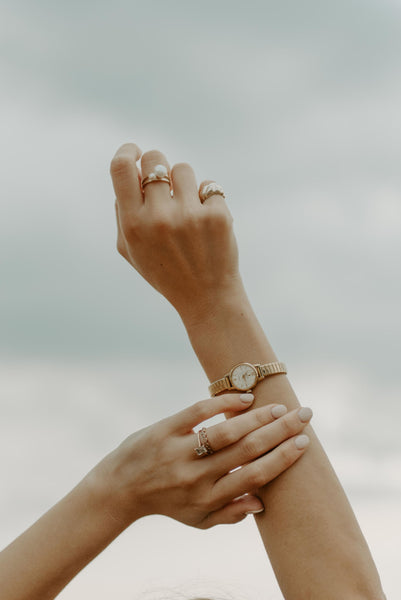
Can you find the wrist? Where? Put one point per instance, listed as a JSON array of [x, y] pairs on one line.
[[210, 308], [106, 494], [228, 333]]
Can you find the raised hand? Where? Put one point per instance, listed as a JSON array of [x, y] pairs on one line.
[[183, 247]]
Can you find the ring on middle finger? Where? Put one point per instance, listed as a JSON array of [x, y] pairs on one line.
[[159, 173]]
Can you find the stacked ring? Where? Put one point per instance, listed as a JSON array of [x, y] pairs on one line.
[[159, 173], [209, 189], [204, 448]]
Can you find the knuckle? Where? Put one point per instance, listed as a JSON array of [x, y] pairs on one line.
[[250, 447], [129, 228], [190, 221], [160, 224], [256, 476], [201, 411], [221, 220], [226, 437], [184, 478], [288, 427], [261, 416], [287, 455], [210, 502]]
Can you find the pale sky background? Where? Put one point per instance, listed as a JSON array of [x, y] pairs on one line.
[[294, 107]]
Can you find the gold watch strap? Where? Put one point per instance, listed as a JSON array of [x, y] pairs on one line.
[[273, 368]]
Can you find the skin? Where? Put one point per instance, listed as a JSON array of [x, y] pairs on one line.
[[187, 251], [155, 471]]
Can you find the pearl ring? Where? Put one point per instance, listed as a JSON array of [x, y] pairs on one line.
[[159, 173]]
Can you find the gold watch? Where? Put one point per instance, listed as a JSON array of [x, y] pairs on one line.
[[244, 377]]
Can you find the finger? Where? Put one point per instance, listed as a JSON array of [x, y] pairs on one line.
[[227, 433], [188, 418], [234, 512], [124, 174], [184, 184], [155, 192], [261, 471], [262, 440]]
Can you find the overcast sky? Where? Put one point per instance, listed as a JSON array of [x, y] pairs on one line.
[[294, 107]]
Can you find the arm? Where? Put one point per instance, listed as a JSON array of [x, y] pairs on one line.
[[187, 251], [154, 471]]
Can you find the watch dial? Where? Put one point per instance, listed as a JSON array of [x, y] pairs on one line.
[[244, 377]]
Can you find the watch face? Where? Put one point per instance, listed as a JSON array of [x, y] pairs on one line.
[[244, 377]]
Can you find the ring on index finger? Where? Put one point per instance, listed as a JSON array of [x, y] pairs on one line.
[[203, 448]]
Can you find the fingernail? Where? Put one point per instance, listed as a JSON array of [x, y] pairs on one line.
[[305, 414], [247, 398], [301, 441], [254, 512], [279, 410]]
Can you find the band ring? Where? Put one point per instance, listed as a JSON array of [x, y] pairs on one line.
[[204, 448], [159, 173], [210, 189]]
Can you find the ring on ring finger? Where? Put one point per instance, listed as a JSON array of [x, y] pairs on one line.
[[204, 448]]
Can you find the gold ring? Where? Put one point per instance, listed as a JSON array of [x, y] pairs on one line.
[[154, 179], [210, 189], [159, 173], [204, 448]]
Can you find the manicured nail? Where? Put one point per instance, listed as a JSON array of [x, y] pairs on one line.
[[254, 512], [247, 398], [278, 411], [301, 441], [305, 414]]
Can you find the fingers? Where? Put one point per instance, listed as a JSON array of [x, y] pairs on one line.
[[234, 512], [261, 471], [124, 174], [127, 180], [156, 192], [187, 419], [227, 433], [262, 440]]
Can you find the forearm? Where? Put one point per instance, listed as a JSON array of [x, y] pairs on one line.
[[309, 530], [41, 561]]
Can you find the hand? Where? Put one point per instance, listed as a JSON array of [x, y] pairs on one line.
[[185, 249], [157, 471]]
